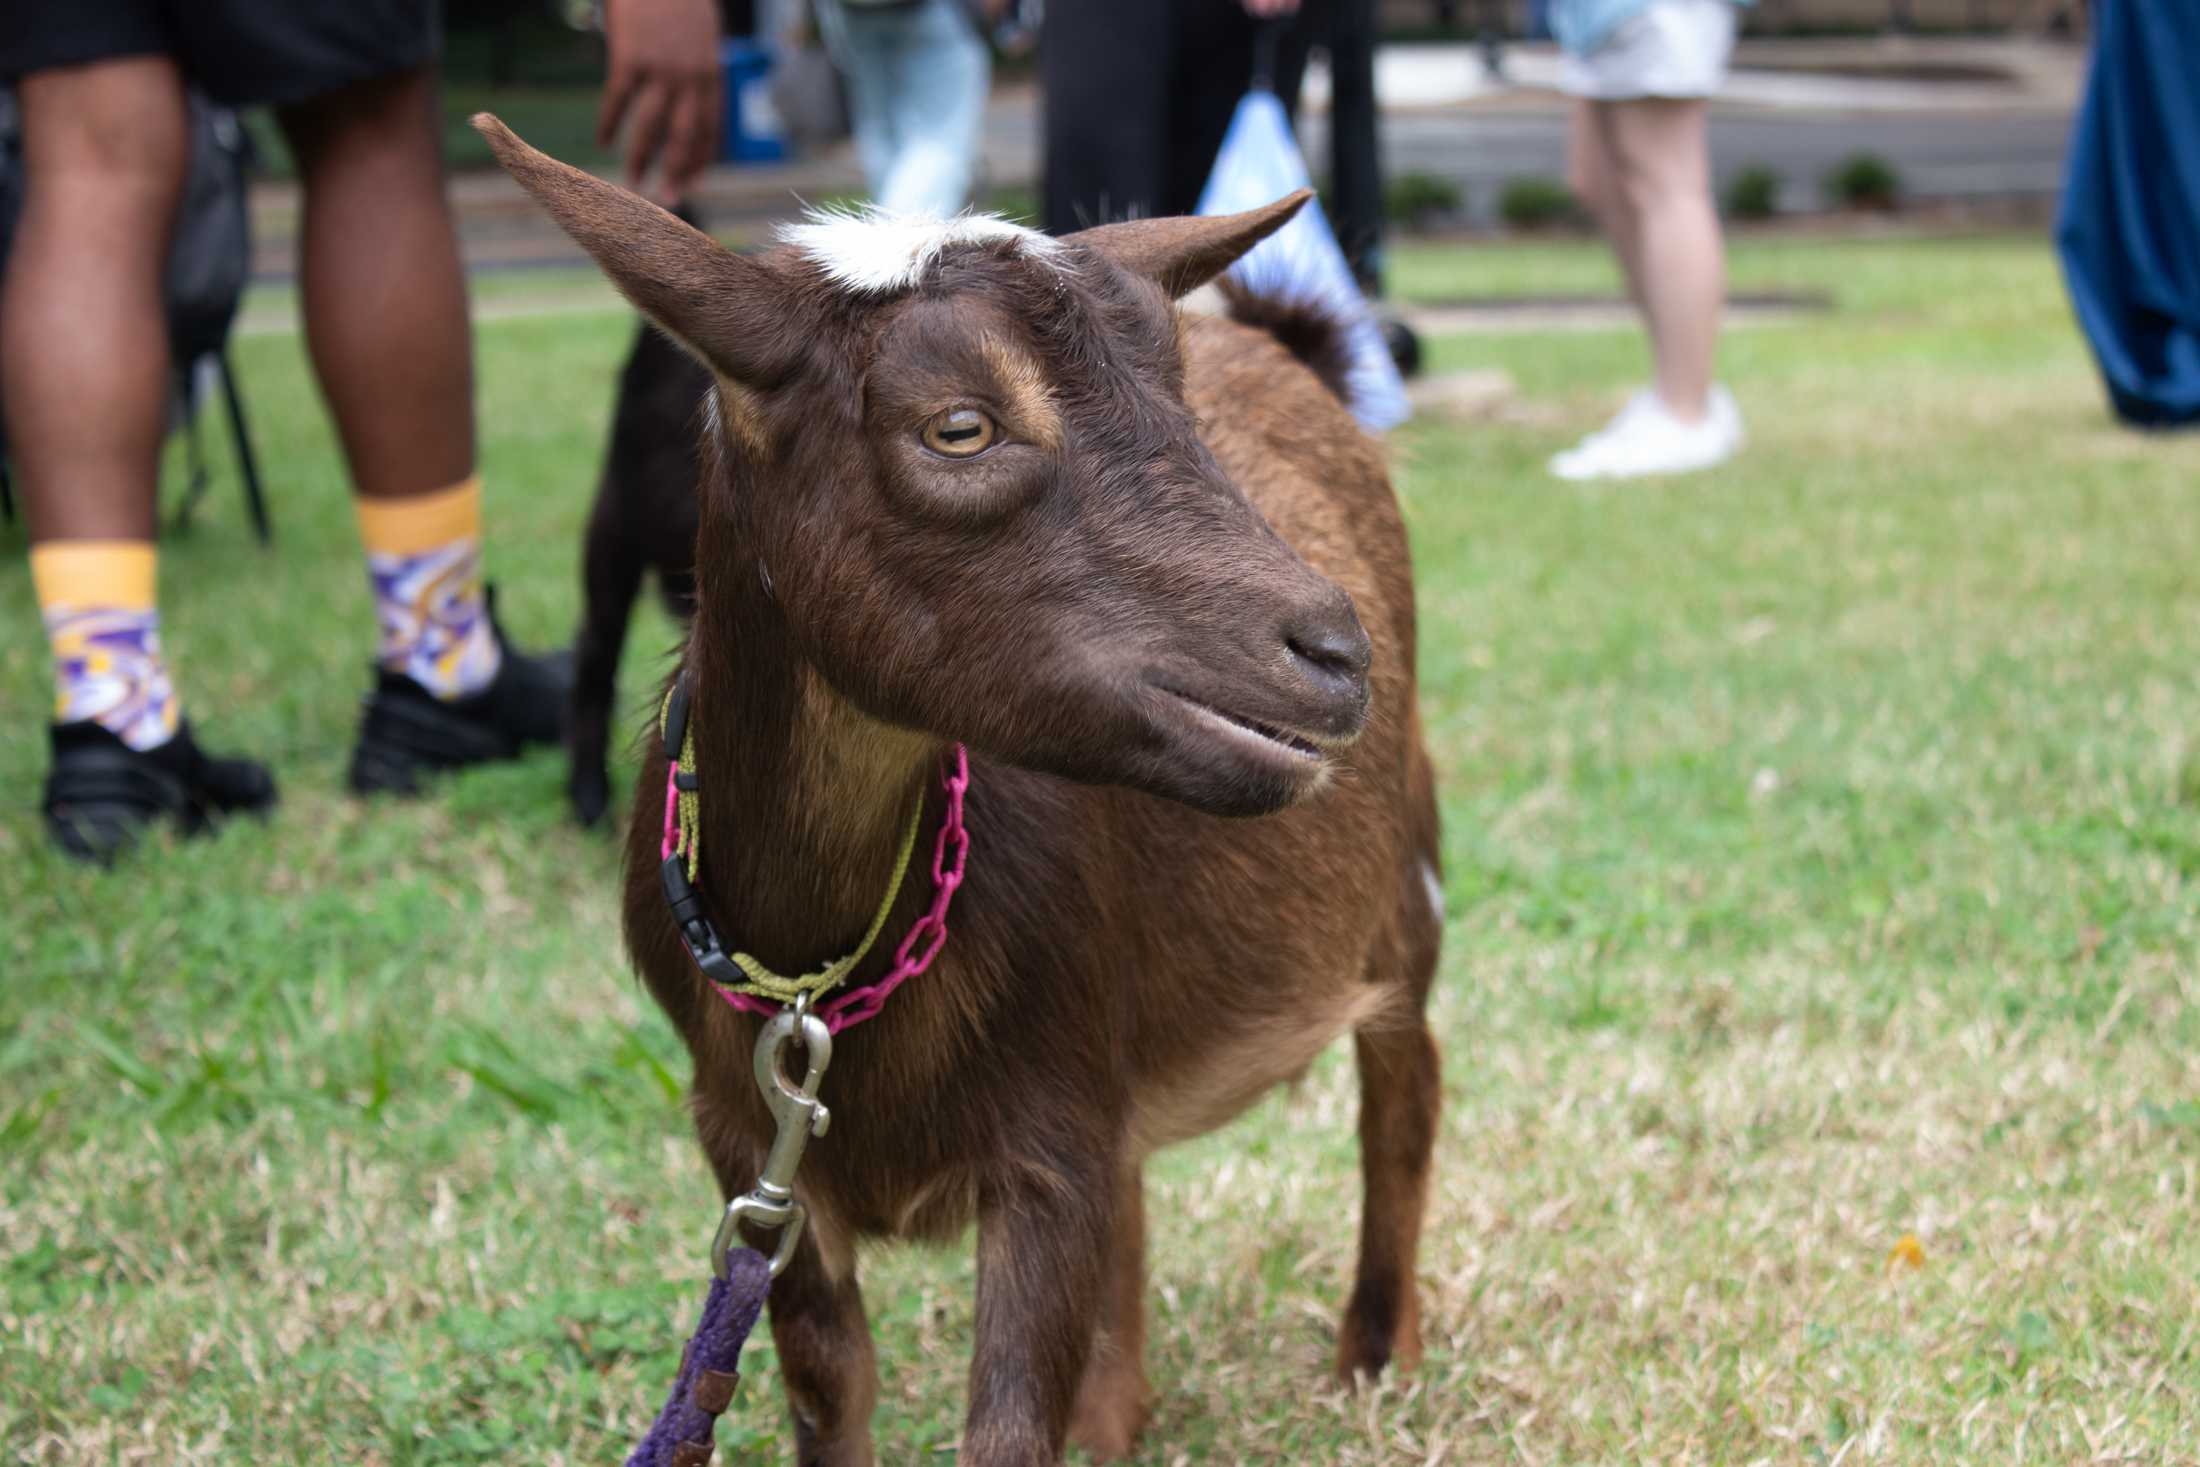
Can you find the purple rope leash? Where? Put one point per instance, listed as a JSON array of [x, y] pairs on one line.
[[681, 1436]]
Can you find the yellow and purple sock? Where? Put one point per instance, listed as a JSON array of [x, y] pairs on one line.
[[103, 625], [424, 563]]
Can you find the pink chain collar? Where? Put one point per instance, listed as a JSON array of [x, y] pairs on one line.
[[919, 946]]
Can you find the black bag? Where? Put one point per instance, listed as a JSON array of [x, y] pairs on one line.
[[211, 257], [209, 262]]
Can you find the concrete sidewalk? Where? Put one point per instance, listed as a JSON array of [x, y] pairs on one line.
[[1960, 119]]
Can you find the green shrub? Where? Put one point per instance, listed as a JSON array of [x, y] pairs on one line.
[[1421, 200], [1864, 181], [1753, 193], [1537, 203]]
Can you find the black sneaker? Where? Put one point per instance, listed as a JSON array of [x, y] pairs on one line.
[[408, 733], [101, 794]]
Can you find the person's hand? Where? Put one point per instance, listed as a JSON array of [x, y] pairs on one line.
[[1271, 9], [664, 87]]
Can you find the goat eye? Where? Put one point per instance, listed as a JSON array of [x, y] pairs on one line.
[[960, 433]]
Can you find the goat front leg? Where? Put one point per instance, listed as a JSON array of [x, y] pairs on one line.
[[825, 1358], [1114, 1401], [1042, 1247]]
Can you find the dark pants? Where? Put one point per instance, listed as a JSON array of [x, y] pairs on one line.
[[1140, 92], [1138, 96], [239, 52]]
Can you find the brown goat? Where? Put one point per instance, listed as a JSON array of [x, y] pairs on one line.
[[966, 483]]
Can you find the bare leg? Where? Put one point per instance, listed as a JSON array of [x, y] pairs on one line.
[[83, 339], [384, 291], [1663, 165], [1113, 1401], [1594, 178]]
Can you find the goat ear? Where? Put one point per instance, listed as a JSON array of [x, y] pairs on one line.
[[731, 312], [1181, 255]]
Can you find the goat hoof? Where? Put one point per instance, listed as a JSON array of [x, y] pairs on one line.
[[1109, 1417], [853, 1450], [1374, 1339], [590, 799]]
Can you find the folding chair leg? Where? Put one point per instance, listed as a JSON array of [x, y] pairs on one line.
[[254, 500], [195, 480]]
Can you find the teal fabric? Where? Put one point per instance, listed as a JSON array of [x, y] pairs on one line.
[[1581, 26]]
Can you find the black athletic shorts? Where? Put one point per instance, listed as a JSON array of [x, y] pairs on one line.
[[239, 52]]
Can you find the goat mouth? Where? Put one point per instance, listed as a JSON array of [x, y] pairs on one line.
[[1253, 734]]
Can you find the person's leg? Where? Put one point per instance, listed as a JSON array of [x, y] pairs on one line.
[[1662, 162], [1355, 120], [85, 376], [861, 46], [937, 78], [1210, 61], [1107, 109], [385, 310], [384, 299], [384, 294], [84, 369], [84, 373], [1593, 176]]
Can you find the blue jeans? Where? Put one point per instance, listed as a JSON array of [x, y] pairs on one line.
[[917, 79]]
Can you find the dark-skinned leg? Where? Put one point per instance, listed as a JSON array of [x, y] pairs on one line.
[[83, 337], [383, 290], [385, 310], [84, 371]]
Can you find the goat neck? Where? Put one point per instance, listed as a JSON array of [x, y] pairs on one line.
[[803, 796]]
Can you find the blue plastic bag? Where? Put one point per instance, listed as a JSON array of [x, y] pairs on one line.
[[1260, 163]]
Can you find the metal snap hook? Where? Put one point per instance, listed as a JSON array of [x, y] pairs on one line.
[[799, 1115]]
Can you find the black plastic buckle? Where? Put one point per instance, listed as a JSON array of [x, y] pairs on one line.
[[696, 934], [676, 720], [686, 901]]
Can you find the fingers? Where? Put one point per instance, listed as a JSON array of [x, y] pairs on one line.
[[645, 134], [618, 92], [691, 140]]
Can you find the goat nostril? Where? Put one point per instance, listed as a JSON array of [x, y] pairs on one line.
[[1333, 652]]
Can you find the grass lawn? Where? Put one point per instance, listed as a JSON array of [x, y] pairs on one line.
[[1823, 838]]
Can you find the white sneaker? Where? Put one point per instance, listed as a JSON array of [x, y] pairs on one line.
[[1647, 439], [1589, 448]]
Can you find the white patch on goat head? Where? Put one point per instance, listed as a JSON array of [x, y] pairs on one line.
[[872, 252]]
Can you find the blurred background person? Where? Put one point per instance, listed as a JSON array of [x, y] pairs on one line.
[[917, 74], [1642, 72], [84, 367], [1138, 96]]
